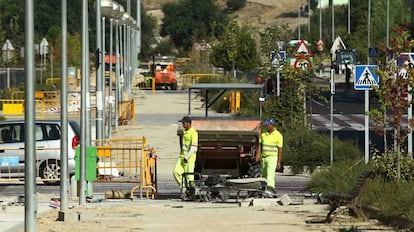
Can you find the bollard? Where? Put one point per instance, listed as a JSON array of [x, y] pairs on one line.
[[73, 186]]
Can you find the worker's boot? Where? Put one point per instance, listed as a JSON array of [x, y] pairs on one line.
[[184, 194], [270, 192]]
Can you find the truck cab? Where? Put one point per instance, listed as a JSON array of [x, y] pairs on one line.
[[163, 68]]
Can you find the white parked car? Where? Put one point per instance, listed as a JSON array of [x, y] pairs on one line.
[[47, 135]]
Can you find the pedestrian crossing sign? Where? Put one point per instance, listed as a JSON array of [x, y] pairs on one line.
[[365, 77]]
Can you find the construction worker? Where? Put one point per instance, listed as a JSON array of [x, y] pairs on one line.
[[270, 153], [189, 144]]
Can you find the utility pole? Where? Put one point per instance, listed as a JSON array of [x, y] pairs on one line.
[[333, 20], [299, 6]]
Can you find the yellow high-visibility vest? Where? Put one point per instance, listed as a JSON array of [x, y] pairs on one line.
[[270, 143], [190, 139]]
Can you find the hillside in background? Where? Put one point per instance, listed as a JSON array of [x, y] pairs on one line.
[[256, 13]]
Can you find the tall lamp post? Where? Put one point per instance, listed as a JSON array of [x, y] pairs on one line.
[[299, 8], [118, 61], [112, 10], [106, 11], [99, 77], [123, 48]]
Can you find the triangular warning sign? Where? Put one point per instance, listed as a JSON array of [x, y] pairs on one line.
[[366, 78], [303, 49]]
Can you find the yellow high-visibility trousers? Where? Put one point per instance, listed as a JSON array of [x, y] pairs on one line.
[[269, 165], [181, 167]]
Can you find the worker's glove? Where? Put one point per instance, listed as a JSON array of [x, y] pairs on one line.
[[190, 152]]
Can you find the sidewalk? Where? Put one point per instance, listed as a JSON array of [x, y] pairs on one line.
[[12, 212]]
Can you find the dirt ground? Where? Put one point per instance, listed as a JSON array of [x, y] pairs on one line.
[[175, 215], [256, 13]]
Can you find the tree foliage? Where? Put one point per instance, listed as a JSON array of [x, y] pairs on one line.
[[237, 49], [47, 15], [187, 21], [399, 14], [397, 81]]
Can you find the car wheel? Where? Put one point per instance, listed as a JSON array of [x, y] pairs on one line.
[[50, 170]]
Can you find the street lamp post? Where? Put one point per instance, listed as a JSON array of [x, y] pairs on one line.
[[118, 60], [119, 15], [138, 26], [299, 6], [99, 76], [124, 55], [111, 10], [115, 14]]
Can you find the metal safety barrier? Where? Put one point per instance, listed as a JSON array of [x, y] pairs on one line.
[[126, 112], [14, 108], [128, 161], [47, 160], [17, 94], [189, 79]]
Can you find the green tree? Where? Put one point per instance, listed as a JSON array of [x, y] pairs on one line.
[[74, 53], [187, 21], [237, 49], [47, 15], [358, 37], [392, 92], [148, 25]]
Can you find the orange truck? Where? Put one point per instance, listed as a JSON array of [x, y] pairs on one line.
[[163, 69]]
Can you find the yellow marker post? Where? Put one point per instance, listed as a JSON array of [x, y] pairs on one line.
[[153, 86]]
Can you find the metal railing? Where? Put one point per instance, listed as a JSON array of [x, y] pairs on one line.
[[128, 160], [187, 80], [12, 165]]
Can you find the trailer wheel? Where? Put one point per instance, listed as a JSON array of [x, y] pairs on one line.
[[224, 194], [254, 171]]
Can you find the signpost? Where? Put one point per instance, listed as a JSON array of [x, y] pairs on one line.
[[277, 60], [404, 63], [43, 52], [302, 56], [366, 79], [319, 45], [7, 50], [303, 61]]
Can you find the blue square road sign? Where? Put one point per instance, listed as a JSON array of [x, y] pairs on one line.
[[365, 77]]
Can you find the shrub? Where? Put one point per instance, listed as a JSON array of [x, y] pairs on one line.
[[386, 166], [344, 172], [306, 150], [395, 200]]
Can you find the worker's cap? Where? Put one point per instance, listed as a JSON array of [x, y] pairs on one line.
[[269, 121], [186, 119]]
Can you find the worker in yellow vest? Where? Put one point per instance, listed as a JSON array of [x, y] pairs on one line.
[[189, 144], [270, 153]]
